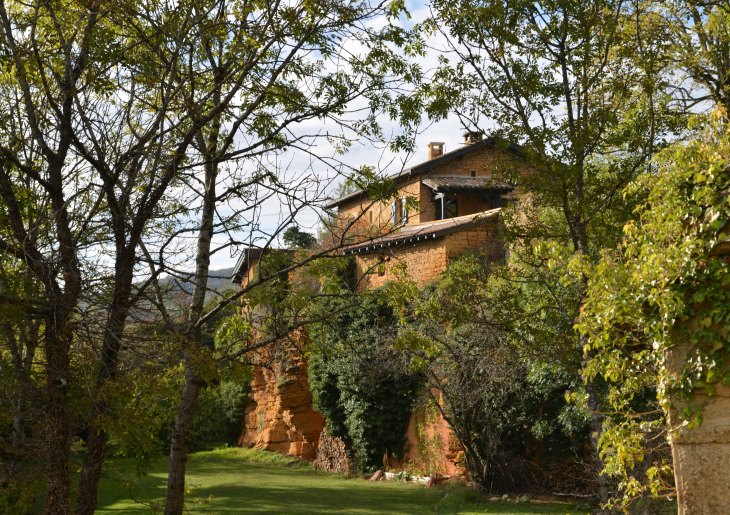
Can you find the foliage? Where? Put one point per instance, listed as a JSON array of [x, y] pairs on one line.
[[359, 383], [566, 88], [126, 128], [664, 290], [18, 497], [217, 418], [151, 391], [429, 451], [498, 360], [294, 237]]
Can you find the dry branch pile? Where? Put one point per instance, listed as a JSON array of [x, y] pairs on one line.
[[332, 454]]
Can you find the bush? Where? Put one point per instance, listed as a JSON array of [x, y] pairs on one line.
[[360, 384]]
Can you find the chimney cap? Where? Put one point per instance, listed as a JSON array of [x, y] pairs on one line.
[[435, 149], [472, 137]]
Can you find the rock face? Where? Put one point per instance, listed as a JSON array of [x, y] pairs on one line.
[[280, 416], [432, 447]]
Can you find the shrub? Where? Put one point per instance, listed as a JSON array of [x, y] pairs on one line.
[[360, 384]]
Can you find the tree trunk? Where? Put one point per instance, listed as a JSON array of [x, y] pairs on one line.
[[57, 422], [174, 500], [175, 497], [595, 405], [96, 443]]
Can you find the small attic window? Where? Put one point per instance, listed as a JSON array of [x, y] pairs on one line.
[[473, 173]]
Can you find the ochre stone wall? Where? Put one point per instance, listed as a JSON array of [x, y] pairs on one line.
[[432, 447], [280, 416], [486, 161], [378, 213], [424, 261]]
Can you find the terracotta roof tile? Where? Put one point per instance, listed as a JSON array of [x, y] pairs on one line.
[[462, 182], [423, 232]]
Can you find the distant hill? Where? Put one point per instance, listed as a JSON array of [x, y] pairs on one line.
[[218, 280]]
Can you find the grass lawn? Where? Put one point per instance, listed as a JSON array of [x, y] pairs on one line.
[[228, 481]]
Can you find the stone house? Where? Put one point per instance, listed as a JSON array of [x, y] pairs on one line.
[[458, 195]]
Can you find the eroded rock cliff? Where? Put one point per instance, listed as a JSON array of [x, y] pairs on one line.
[[280, 416]]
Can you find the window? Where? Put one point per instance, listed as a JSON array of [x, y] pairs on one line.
[[398, 212], [473, 173], [370, 216], [452, 208], [381, 266], [446, 207]]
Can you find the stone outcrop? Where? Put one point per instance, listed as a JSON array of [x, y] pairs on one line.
[[432, 447], [280, 416]]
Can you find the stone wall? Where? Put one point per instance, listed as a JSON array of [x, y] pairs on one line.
[[432, 447], [486, 161], [701, 455], [424, 261], [280, 416]]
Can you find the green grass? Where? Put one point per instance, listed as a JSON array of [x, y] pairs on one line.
[[228, 481]]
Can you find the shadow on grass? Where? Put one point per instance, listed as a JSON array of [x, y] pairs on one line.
[[267, 489]]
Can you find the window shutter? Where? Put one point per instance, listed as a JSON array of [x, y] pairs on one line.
[[394, 213], [404, 211]]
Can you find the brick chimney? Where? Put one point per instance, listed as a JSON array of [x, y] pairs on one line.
[[435, 149], [472, 137]]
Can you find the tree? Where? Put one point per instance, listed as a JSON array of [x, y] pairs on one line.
[[668, 271], [66, 141], [502, 363], [101, 149], [294, 237], [288, 81], [553, 78]]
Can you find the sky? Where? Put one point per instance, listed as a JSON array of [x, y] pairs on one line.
[[298, 164]]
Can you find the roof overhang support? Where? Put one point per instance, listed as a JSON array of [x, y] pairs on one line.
[[494, 199]]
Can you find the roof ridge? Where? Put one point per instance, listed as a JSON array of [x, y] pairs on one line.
[[430, 163]]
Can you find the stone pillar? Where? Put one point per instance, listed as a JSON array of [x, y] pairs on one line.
[[702, 454]]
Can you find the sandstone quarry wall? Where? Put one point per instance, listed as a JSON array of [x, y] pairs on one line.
[[280, 416]]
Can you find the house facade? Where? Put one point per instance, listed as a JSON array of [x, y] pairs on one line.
[[458, 196], [455, 201]]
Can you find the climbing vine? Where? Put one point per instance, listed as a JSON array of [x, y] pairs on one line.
[[359, 384], [430, 445], [665, 289]]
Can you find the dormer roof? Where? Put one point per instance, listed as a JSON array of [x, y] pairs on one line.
[[461, 183]]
